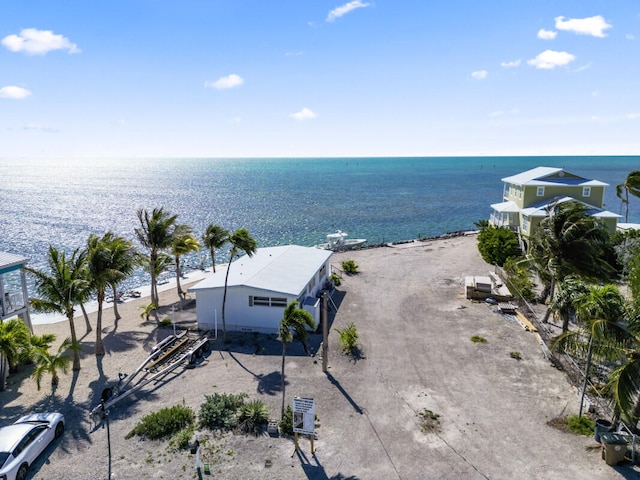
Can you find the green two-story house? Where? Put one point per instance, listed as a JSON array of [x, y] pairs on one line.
[[528, 195]]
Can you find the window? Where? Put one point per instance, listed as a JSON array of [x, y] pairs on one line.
[[267, 301], [540, 192], [525, 224], [586, 191], [323, 271], [278, 302], [263, 301]]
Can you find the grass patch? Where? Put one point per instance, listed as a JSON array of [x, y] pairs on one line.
[[478, 339], [573, 424], [429, 420], [516, 355]]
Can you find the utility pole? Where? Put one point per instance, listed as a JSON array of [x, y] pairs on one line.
[[325, 332]]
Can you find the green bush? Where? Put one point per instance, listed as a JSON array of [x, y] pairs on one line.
[[348, 338], [478, 339], [285, 425], [496, 244], [516, 355], [580, 425], [350, 267], [163, 423], [252, 415], [520, 277], [182, 440], [165, 322], [220, 410], [335, 279]]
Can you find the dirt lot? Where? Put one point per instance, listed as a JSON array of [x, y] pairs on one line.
[[415, 327]]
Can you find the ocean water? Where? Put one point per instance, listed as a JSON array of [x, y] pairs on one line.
[[280, 201]]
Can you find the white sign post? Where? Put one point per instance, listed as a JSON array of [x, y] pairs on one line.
[[304, 415]]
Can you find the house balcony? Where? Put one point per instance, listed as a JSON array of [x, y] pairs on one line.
[[505, 221], [11, 303]]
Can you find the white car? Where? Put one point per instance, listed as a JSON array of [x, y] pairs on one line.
[[22, 442]]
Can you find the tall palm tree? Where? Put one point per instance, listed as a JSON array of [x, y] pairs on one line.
[[183, 243], [630, 186], [241, 241], [155, 234], [214, 238], [51, 364], [123, 259], [14, 338], [563, 304], [568, 241], [61, 289], [104, 263], [294, 323], [603, 330]]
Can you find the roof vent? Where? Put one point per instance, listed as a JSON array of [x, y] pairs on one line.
[[561, 174]]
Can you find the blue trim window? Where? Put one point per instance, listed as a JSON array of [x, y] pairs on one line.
[[586, 191], [540, 192]]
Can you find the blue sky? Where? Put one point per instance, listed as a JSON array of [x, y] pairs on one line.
[[241, 78]]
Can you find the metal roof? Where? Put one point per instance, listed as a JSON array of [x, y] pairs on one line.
[[505, 207], [541, 209], [539, 176], [286, 269], [10, 262]]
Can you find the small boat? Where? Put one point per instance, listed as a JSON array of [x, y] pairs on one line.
[[339, 241]]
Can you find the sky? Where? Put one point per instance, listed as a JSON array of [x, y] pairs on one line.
[[301, 78]]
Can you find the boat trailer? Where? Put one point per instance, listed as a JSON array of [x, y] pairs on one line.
[[165, 357]]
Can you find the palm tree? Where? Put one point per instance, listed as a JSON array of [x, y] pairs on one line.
[[155, 234], [52, 364], [104, 262], [183, 243], [123, 259], [61, 289], [294, 323], [568, 291], [14, 339], [602, 313], [630, 186], [568, 241], [241, 241], [214, 238]]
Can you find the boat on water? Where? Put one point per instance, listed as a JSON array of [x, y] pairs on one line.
[[339, 241]]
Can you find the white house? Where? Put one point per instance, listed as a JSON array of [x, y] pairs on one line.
[[261, 286]]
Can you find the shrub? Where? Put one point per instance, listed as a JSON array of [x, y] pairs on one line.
[[496, 244], [520, 278], [335, 279], [164, 422], [350, 267], [252, 415], [348, 338], [516, 355], [220, 410], [429, 420], [478, 339], [580, 425], [285, 425], [182, 439], [165, 322]]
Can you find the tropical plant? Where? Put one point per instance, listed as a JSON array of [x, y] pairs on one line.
[[482, 224], [52, 364], [294, 324], [252, 415], [155, 234], [183, 243], [602, 333], [214, 238], [14, 341], [123, 259], [350, 267], [569, 291], [61, 289], [520, 277], [240, 241], [104, 263], [631, 186], [497, 244], [348, 338], [163, 423], [568, 241], [146, 310], [220, 410], [285, 425]]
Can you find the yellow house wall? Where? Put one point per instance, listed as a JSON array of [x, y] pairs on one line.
[[550, 192]]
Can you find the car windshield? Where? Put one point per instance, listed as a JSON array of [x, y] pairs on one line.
[[3, 458]]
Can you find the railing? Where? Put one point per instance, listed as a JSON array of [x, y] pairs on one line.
[[12, 302]]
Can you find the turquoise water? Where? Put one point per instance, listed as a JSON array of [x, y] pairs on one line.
[[280, 201]]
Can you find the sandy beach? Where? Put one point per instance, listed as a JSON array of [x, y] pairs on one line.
[[414, 322]]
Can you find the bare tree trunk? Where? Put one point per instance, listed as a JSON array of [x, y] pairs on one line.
[[86, 318], [115, 303]]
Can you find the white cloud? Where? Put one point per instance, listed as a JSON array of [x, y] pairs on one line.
[[630, 36], [344, 9], [633, 116], [38, 42], [511, 64], [550, 59], [546, 34], [16, 93], [304, 114], [230, 81], [293, 54], [594, 26], [480, 74]]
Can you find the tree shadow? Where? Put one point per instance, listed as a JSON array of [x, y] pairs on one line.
[[269, 384]]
